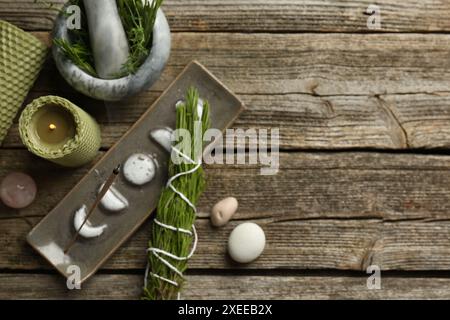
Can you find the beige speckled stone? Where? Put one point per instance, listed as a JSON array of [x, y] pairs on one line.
[[223, 211]]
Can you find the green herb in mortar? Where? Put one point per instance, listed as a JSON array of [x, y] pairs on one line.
[[138, 20]]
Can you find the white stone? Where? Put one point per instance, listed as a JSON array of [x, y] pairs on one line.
[[87, 231], [139, 169], [163, 137], [246, 242], [113, 200]]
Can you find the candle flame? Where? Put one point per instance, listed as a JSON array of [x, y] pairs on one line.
[[52, 127]]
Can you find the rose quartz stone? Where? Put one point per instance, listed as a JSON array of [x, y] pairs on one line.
[[18, 190]]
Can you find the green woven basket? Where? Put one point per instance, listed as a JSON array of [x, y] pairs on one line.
[[21, 58], [78, 151]]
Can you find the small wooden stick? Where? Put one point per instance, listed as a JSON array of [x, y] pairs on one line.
[[101, 194]]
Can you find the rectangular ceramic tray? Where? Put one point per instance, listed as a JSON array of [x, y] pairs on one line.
[[55, 231]]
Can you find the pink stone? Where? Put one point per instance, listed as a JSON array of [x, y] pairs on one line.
[[17, 190]]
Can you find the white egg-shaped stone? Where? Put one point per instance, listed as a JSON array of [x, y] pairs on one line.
[[139, 169], [246, 242], [223, 211]]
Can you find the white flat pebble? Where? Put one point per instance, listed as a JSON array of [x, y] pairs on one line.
[[223, 211], [113, 200], [139, 169], [246, 242], [163, 137], [55, 254], [88, 231]]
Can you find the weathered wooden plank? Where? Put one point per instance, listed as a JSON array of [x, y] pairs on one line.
[[423, 118], [421, 182], [317, 64], [265, 15], [304, 121], [294, 244], [37, 286], [354, 122], [53, 181], [321, 93], [332, 211], [308, 185]]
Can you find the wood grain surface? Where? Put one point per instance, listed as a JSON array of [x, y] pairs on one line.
[[283, 16], [224, 287], [322, 93], [321, 211]]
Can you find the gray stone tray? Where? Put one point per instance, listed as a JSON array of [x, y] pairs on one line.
[[53, 233]]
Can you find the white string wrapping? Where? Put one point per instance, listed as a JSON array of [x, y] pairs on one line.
[[159, 253]]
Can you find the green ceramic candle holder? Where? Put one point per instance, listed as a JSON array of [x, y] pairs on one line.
[[79, 149]]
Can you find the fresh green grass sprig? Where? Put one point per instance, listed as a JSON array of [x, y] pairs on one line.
[[174, 211], [138, 20], [79, 54], [79, 48]]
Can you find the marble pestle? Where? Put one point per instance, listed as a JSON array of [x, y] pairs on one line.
[[107, 36]]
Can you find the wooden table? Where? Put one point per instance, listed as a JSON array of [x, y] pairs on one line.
[[365, 136]]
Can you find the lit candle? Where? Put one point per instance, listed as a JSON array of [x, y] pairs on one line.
[[54, 126], [56, 129]]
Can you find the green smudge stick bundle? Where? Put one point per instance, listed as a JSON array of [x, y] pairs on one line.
[[174, 211]]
